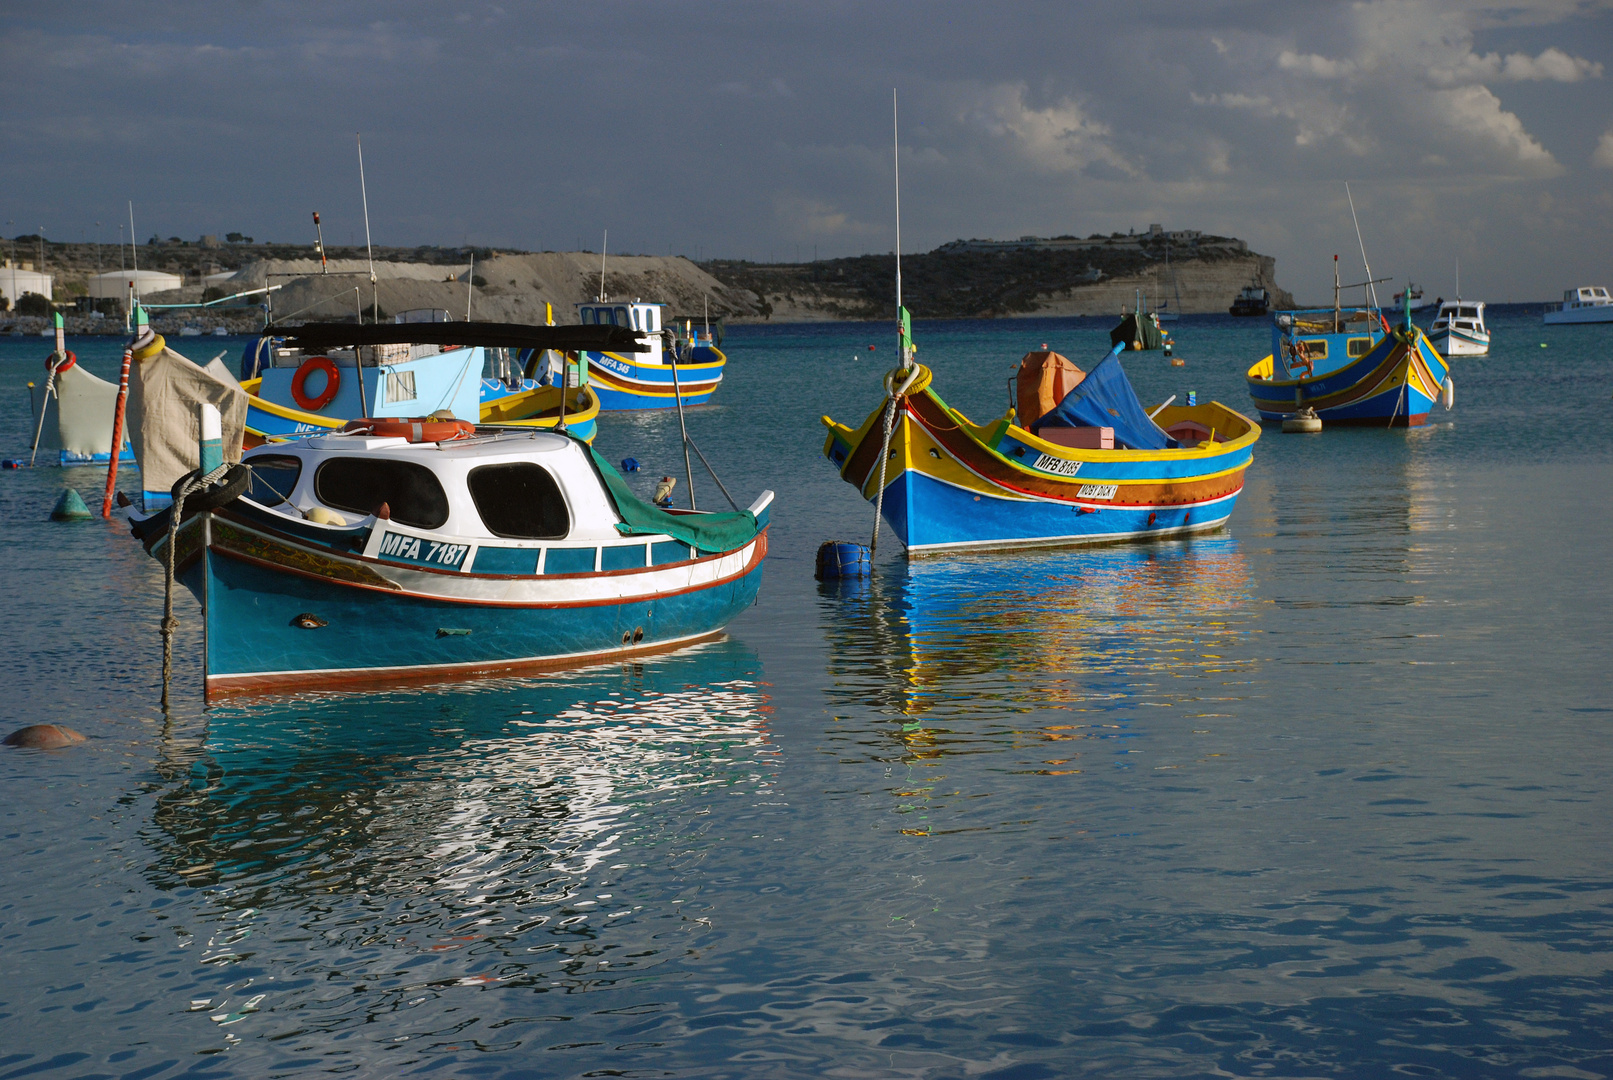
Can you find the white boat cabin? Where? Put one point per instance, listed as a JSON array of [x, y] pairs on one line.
[[1464, 315], [647, 319], [1586, 296], [527, 503]]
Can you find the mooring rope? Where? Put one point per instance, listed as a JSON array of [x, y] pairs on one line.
[[169, 622], [895, 394]]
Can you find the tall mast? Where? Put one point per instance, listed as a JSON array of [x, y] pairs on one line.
[[896, 153], [369, 251], [1370, 285]]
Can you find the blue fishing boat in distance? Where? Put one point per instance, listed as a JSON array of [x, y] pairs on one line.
[[669, 364], [1350, 367], [359, 558]]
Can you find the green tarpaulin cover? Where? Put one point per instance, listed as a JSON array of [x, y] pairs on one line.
[[707, 532]]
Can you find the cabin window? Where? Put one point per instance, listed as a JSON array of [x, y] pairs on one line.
[[637, 314], [412, 492], [1468, 313], [1316, 349], [520, 501], [650, 322], [273, 477], [1358, 346], [588, 316], [621, 317]]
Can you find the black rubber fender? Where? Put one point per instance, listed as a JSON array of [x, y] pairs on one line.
[[222, 493]]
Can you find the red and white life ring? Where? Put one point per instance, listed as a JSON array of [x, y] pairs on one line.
[[59, 366], [414, 428], [333, 382]]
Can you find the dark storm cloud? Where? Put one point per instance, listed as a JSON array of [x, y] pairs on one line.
[[763, 130]]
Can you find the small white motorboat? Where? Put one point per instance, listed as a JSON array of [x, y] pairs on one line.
[[1459, 330]]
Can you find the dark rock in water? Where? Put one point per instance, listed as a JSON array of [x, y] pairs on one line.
[[70, 507], [43, 737], [308, 621]]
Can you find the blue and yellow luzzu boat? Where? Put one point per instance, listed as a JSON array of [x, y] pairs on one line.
[[1095, 467], [645, 380], [1350, 368]]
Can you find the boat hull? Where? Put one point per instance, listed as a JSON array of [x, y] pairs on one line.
[[1396, 384], [1460, 343], [624, 383], [1601, 313], [952, 485], [377, 621]]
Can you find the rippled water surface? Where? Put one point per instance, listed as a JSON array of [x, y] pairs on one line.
[[1323, 794]]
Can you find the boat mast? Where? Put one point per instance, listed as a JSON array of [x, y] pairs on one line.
[[1373, 288], [1335, 294], [896, 153], [602, 246]]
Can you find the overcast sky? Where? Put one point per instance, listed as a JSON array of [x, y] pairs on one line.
[[763, 130]]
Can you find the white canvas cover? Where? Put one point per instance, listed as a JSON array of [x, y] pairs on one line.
[[84, 407], [164, 427]]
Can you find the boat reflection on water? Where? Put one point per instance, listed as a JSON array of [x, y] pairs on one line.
[[488, 815], [981, 635]]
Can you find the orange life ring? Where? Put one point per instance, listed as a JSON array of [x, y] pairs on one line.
[[333, 382], [414, 428], [72, 358]]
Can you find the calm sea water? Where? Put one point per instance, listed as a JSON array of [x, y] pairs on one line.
[[1324, 794]]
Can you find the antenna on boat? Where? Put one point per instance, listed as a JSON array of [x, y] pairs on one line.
[[1358, 240], [134, 256], [369, 251], [896, 152], [602, 246], [470, 285], [1458, 279]]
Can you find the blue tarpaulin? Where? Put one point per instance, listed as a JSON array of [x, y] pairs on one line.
[[1105, 399]]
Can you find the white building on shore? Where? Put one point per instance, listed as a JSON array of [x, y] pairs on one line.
[[19, 278], [115, 284]]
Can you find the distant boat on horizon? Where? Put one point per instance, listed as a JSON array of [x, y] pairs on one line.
[[1586, 304]]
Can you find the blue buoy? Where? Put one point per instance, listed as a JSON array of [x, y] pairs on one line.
[[629, 464], [843, 559]]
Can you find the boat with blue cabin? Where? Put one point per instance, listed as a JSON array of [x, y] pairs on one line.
[[670, 364], [434, 550], [318, 376], [1349, 367]]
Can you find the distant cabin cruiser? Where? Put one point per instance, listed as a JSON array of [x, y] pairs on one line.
[[1586, 304], [647, 379], [1459, 330]]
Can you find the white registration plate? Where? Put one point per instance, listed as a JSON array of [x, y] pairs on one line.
[[1097, 491], [1061, 466]]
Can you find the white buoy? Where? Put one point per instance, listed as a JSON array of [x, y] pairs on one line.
[[1304, 422]]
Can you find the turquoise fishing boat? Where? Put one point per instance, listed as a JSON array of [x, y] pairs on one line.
[[410, 551], [1350, 367], [1078, 461], [667, 364]]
